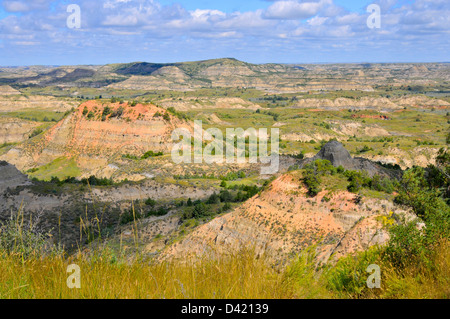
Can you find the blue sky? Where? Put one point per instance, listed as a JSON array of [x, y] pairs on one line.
[[259, 31]]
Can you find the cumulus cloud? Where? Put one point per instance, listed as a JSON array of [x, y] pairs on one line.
[[293, 10], [147, 23], [25, 6]]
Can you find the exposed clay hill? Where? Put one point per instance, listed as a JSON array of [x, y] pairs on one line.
[[373, 103], [335, 152], [282, 221], [187, 104], [14, 130], [7, 90], [97, 131], [48, 103], [422, 102]]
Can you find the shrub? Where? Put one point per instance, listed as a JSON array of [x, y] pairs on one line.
[[36, 132], [225, 196], [357, 180], [150, 202], [382, 184], [151, 154], [213, 199], [106, 111], [166, 117], [312, 173], [90, 115], [365, 149]]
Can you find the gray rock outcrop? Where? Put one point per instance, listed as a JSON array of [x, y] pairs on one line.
[[336, 153]]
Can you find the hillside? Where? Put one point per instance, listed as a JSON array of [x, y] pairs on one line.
[[95, 133], [283, 220], [273, 78]]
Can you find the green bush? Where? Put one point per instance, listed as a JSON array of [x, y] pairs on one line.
[[357, 180], [382, 184], [150, 202], [151, 154], [313, 172], [349, 276], [36, 132]]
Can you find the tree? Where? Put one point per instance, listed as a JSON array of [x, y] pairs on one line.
[[213, 199], [225, 196], [200, 210]]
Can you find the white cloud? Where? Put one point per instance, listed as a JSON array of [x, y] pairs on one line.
[[293, 10], [24, 6], [316, 21], [310, 22]]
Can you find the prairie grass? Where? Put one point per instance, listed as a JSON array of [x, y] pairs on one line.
[[233, 277], [236, 277], [106, 273]]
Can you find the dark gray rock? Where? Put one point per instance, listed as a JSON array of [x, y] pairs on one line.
[[336, 153], [11, 177]]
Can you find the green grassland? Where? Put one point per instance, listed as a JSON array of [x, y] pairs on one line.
[[61, 168], [36, 115], [406, 127]]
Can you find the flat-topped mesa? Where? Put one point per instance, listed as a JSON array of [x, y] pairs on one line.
[[336, 153]]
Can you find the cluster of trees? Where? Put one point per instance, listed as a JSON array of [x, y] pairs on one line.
[[36, 132], [313, 173], [232, 176], [92, 180], [357, 179], [365, 149], [194, 176], [425, 143], [148, 154], [275, 116], [427, 192], [139, 211], [201, 209]]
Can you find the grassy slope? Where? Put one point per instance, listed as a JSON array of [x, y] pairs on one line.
[[239, 276], [61, 168]]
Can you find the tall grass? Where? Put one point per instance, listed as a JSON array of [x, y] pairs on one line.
[[239, 276], [32, 268]]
